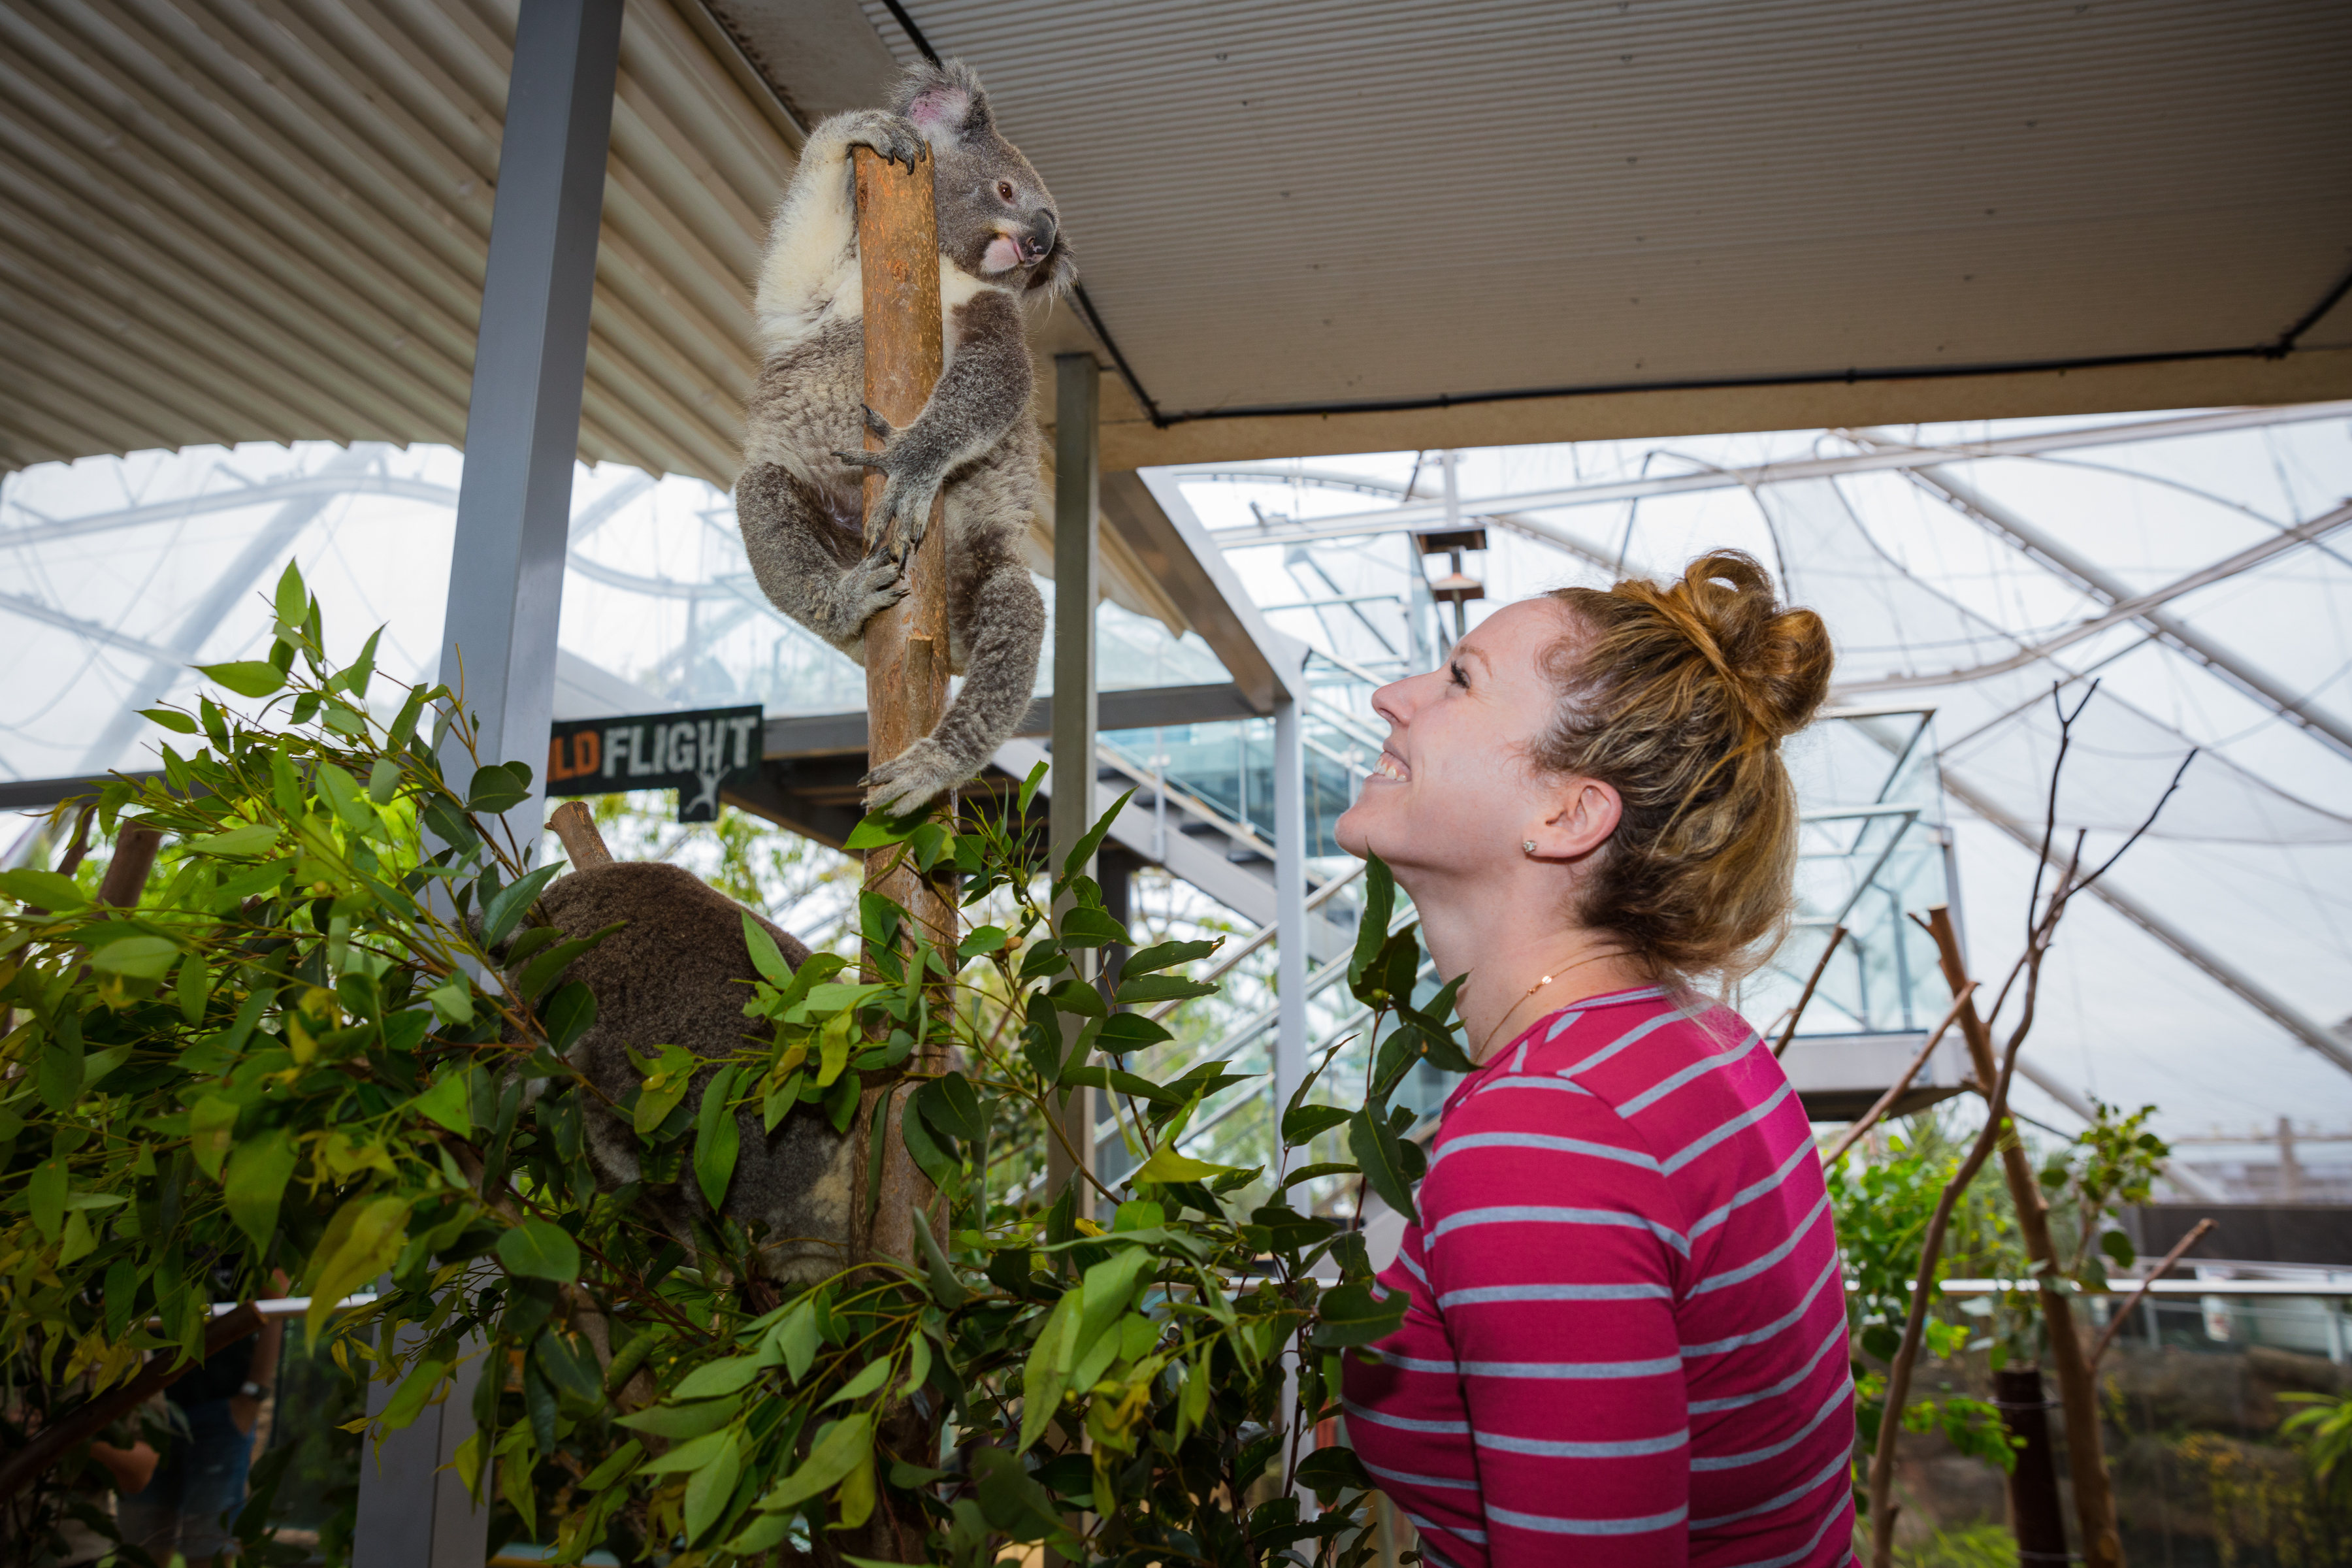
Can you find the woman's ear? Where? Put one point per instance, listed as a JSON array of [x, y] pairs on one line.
[[1581, 815]]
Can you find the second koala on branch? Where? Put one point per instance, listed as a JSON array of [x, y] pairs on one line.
[[798, 500]]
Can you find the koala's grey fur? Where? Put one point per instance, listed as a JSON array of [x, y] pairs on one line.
[[798, 500], [677, 974]]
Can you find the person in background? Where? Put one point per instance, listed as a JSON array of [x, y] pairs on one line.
[[1624, 1342], [196, 1491]]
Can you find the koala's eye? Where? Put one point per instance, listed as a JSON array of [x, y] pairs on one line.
[[1004, 189]]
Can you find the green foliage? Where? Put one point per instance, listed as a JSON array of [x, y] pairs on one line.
[[1882, 1207], [330, 1041], [2111, 1163], [2323, 1430], [1976, 1546]]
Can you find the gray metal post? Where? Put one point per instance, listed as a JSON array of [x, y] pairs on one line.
[[1290, 848], [1077, 507], [506, 576], [412, 1514], [531, 359]]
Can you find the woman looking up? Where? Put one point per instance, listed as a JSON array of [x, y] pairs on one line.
[[1625, 1341]]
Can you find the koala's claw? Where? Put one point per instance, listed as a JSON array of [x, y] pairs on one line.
[[912, 778], [865, 590], [876, 423], [892, 139]]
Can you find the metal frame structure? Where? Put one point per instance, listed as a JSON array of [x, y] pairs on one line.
[[531, 370]]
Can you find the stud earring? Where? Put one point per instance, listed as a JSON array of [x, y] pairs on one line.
[[1528, 845]]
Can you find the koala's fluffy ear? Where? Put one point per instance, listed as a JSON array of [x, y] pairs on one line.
[[945, 102]]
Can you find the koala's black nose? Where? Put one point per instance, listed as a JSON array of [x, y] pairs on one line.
[[1040, 236]]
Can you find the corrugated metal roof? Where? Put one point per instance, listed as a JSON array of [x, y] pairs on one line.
[[235, 220], [1337, 201]]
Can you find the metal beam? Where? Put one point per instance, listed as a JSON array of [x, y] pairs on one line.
[[2138, 608], [1077, 555], [1291, 936], [2228, 975], [324, 485], [1140, 708], [35, 795], [522, 421], [506, 577], [1419, 514], [50, 615], [2105, 586]]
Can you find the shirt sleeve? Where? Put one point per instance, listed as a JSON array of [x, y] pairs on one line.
[[1555, 1257]]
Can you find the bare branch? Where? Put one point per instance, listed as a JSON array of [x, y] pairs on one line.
[[2179, 1249], [1819, 968], [1869, 1119]]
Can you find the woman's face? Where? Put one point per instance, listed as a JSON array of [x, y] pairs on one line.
[[1454, 790]]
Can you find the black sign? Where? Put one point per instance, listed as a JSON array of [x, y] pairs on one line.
[[697, 755]]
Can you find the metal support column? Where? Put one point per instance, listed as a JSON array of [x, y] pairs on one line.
[[1290, 848], [1115, 869], [506, 578], [1077, 507], [531, 359], [413, 1512]]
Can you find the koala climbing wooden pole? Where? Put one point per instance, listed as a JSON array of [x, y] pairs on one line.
[[906, 645]]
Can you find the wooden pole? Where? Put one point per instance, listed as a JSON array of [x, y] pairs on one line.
[[2035, 1516], [905, 693], [907, 645], [126, 874], [2078, 1393], [575, 828]]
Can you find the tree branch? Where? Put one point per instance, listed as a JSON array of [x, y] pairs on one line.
[[1820, 966], [2179, 1249], [1852, 1134], [52, 1443]]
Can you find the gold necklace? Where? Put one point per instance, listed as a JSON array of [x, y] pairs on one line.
[[1507, 1018], [1497, 1029]]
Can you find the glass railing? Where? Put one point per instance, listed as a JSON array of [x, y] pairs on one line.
[[1872, 850]]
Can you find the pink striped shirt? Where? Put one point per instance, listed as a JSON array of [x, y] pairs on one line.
[[1626, 1342]]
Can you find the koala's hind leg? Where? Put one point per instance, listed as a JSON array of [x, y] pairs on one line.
[[809, 566], [997, 615]]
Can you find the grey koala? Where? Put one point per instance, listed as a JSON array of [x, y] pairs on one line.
[[677, 974], [798, 500]]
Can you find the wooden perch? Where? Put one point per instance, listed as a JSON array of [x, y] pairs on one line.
[[575, 828], [126, 874], [907, 645], [1820, 967], [2179, 1250]]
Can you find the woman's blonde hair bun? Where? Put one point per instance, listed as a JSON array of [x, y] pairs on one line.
[[1775, 661], [1678, 696]]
